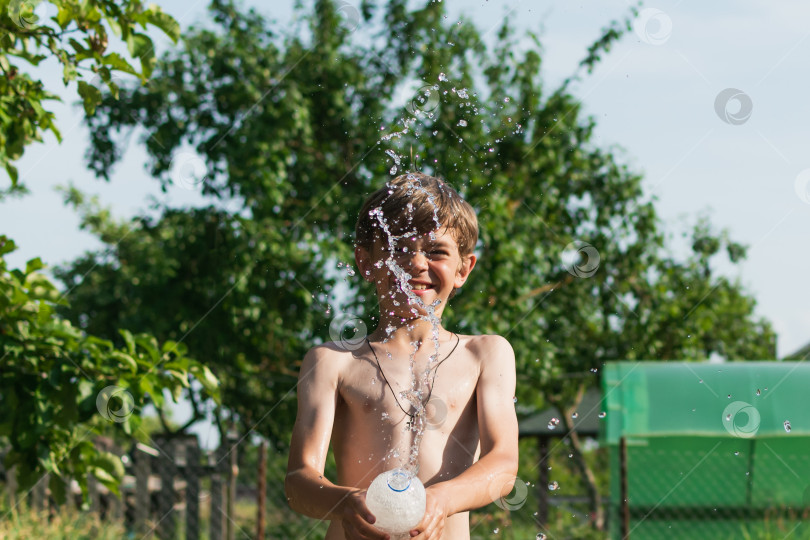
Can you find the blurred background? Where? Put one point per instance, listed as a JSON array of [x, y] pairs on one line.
[[637, 170]]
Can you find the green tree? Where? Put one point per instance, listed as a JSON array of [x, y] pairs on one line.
[[77, 35], [294, 129], [63, 385]]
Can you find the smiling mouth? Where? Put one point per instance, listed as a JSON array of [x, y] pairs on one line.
[[420, 286]]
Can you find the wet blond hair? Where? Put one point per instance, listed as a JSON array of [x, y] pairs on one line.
[[413, 202]]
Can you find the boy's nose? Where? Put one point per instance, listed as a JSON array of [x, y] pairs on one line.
[[417, 259]]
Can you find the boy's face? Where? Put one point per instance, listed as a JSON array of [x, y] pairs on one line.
[[435, 266]]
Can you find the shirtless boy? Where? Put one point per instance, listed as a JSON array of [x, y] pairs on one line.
[[468, 456]]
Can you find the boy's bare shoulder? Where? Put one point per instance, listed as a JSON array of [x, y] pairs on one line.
[[327, 359], [489, 347], [330, 349]]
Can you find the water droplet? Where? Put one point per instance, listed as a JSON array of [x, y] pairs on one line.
[[701, 381], [442, 77], [496, 530], [574, 415], [728, 417], [463, 94], [553, 423], [506, 100], [729, 396], [553, 486], [462, 123], [787, 426], [758, 392], [393, 170], [540, 536], [602, 414], [514, 399], [737, 453]]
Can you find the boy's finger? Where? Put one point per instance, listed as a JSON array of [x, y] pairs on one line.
[[421, 526], [371, 531], [428, 530]]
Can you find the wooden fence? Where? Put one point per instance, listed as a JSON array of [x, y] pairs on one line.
[[161, 491]]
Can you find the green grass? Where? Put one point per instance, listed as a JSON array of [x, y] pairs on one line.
[[23, 523]]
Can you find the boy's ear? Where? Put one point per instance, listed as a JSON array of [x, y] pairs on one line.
[[363, 259], [467, 264]]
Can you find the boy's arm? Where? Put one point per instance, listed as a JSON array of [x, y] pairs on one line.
[[308, 492], [493, 475]]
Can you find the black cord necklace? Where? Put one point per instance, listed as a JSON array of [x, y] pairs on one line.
[[432, 383]]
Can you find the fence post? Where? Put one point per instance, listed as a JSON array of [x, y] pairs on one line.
[[262, 490], [218, 493], [192, 489], [542, 491], [94, 495], [39, 497], [624, 495], [167, 524], [11, 485], [143, 468], [233, 469]]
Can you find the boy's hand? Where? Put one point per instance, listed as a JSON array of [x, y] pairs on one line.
[[432, 525], [357, 518]]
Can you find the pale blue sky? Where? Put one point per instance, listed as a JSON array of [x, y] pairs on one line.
[[653, 95]]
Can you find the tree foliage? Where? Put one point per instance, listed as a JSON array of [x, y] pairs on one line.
[[76, 34], [60, 386], [65, 386], [291, 130]]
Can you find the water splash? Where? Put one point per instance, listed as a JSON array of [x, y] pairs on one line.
[[416, 395]]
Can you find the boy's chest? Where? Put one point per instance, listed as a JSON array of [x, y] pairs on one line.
[[386, 389]]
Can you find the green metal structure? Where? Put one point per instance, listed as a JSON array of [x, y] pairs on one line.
[[708, 450]]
